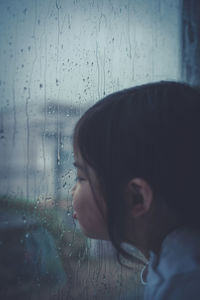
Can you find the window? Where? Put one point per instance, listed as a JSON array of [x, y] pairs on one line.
[[57, 58]]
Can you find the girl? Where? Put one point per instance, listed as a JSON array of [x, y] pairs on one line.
[[137, 154]]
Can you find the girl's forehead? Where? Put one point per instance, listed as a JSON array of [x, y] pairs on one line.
[[78, 161], [78, 157], [82, 165]]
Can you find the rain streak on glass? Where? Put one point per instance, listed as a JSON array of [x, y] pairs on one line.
[[57, 58]]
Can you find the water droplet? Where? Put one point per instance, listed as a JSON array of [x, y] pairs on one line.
[[24, 219]]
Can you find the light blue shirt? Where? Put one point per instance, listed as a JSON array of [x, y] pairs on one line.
[[175, 273]]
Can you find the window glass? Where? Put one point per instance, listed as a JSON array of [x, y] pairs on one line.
[[57, 58]]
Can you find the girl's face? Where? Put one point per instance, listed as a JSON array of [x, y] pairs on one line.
[[87, 201]]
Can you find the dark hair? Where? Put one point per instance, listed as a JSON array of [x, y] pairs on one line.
[[152, 132]]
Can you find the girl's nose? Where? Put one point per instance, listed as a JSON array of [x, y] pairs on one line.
[[73, 190]]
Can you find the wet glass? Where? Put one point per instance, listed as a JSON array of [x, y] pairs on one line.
[[57, 58]]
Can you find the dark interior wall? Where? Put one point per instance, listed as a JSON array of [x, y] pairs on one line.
[[191, 41]]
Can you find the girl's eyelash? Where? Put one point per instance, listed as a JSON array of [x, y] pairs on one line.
[[78, 178]]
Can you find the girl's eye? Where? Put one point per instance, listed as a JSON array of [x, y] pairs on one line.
[[79, 179]]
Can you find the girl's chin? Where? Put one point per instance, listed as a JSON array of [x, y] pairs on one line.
[[94, 235]]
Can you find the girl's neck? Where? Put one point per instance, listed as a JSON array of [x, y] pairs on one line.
[[166, 223], [151, 231]]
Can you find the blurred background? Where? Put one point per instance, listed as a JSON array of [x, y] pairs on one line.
[[57, 58]]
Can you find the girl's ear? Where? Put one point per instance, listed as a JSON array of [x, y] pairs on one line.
[[139, 197]]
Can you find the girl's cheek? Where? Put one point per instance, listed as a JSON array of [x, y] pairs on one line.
[[73, 190]]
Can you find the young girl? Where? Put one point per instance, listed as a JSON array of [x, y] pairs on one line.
[[137, 154]]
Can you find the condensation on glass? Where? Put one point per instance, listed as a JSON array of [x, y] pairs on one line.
[[57, 58]]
